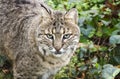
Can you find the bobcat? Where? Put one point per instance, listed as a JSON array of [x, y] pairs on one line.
[[37, 39]]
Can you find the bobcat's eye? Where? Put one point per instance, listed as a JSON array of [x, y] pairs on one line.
[[66, 36], [50, 36]]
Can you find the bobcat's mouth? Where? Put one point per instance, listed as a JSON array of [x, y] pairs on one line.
[[58, 52]]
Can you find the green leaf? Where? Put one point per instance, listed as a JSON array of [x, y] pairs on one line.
[[115, 32], [88, 31], [115, 39], [118, 25], [109, 71], [106, 22], [99, 33]]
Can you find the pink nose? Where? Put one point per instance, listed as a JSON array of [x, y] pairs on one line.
[[57, 48]]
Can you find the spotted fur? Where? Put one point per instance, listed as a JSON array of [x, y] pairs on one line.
[[36, 38]]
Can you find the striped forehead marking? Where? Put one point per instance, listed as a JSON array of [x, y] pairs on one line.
[[60, 30]]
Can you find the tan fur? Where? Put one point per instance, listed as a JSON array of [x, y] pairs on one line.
[[37, 39]]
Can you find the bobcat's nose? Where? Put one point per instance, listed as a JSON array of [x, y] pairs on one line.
[[57, 50], [57, 45]]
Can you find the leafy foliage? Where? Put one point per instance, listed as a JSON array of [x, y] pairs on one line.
[[109, 72]]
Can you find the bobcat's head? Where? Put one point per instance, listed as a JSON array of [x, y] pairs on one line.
[[58, 33]]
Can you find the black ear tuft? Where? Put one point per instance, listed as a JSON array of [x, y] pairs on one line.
[[46, 8], [46, 11]]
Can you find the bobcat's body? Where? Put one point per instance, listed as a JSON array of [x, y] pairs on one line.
[[38, 40]]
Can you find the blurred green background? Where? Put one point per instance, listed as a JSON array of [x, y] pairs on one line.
[[98, 56]]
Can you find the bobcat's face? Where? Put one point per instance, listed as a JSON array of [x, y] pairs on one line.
[[58, 34]]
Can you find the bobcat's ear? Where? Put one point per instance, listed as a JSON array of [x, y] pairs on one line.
[[72, 15], [46, 11]]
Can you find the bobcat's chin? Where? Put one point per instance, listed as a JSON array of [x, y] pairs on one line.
[[57, 55]]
